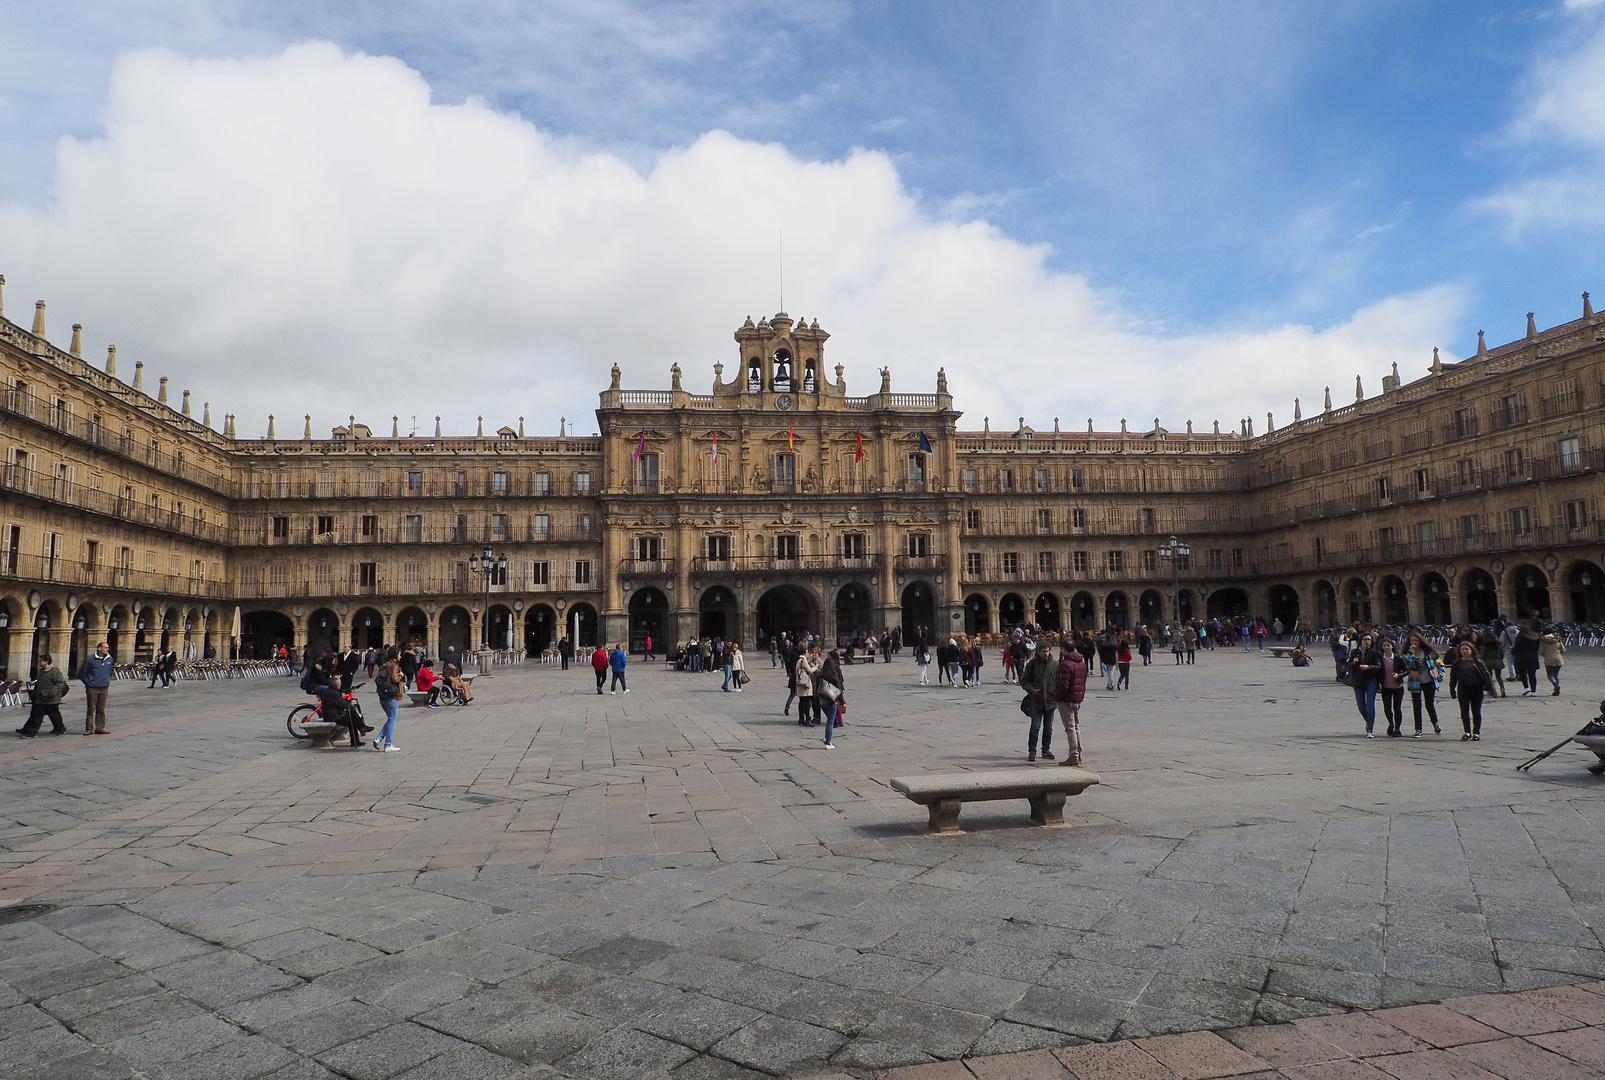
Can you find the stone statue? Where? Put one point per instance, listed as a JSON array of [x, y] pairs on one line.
[[886, 380], [618, 377], [811, 480], [941, 380], [674, 376]]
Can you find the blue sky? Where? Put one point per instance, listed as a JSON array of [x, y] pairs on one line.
[[1209, 173]]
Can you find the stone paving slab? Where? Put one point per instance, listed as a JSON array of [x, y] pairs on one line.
[[551, 882]]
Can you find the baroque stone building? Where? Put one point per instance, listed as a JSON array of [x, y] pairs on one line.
[[777, 500]]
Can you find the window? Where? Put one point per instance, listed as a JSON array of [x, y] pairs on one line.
[[323, 577], [1079, 561], [1465, 423], [787, 546], [370, 525], [1470, 527], [410, 573], [1423, 482], [1078, 519], [415, 527], [1150, 561], [1351, 540], [1045, 564], [1010, 563], [854, 545], [1044, 520], [582, 572], [543, 525], [1146, 518], [972, 480], [716, 547], [1385, 538], [325, 525], [785, 469], [325, 485], [1078, 479], [1217, 559], [415, 482], [498, 526], [1042, 479], [1320, 550], [1510, 409], [278, 576], [916, 468], [1384, 489], [499, 483], [540, 573], [648, 548], [506, 436], [919, 544], [1515, 464], [281, 528], [368, 575], [582, 483], [1521, 522], [1576, 515], [1427, 536], [459, 484], [1005, 479], [498, 573], [972, 520], [972, 564], [1237, 558], [585, 524], [1116, 562], [1571, 453], [1111, 518], [543, 483]]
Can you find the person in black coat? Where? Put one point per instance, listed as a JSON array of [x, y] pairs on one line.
[[1366, 664]]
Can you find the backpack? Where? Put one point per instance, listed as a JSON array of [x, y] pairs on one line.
[[384, 684], [306, 681]]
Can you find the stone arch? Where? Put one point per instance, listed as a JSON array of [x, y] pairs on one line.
[[1083, 612], [977, 614], [1185, 607], [1117, 610], [718, 613], [500, 626], [1326, 604], [1482, 596], [1585, 592], [412, 627], [323, 630], [172, 626], [367, 629], [1045, 612], [919, 609], [48, 623], [456, 630], [85, 636], [648, 609], [540, 628], [1530, 586], [1395, 597], [1284, 605], [791, 608], [1434, 592], [1228, 604], [855, 608], [1151, 608], [11, 610], [1357, 598], [262, 632], [1011, 611], [117, 630]]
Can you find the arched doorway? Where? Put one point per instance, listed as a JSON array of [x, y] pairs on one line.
[[1046, 612], [146, 631], [1284, 607], [582, 626], [1395, 601], [1326, 605], [456, 630], [45, 620], [1150, 608], [116, 633], [1184, 605], [8, 612], [261, 634], [499, 634], [1011, 612], [1586, 588], [977, 614], [785, 608], [1532, 592], [648, 608], [540, 629], [1228, 604], [1117, 610], [1482, 600], [367, 629], [1083, 612], [170, 629], [1357, 594], [1434, 599], [412, 628], [85, 625], [718, 614], [323, 630], [854, 610], [919, 609]]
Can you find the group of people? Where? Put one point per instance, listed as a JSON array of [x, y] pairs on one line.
[[50, 689], [814, 681], [1377, 663]]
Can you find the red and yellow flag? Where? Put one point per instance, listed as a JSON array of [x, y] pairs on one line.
[[790, 436], [858, 455]]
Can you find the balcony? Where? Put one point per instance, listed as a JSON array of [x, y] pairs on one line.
[[61, 571], [770, 564], [647, 567], [14, 479], [917, 563]]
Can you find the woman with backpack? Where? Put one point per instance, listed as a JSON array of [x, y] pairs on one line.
[[1469, 679], [1421, 670], [390, 685]]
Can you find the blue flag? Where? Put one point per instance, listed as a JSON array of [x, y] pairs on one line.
[[925, 444]]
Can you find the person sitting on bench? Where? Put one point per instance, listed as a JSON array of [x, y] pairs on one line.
[[430, 682]]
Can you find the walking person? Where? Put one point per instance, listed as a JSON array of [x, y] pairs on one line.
[[95, 674], [1123, 659], [1390, 684], [370, 660], [976, 660], [1178, 642], [157, 659], [736, 665], [807, 675], [1491, 653], [565, 652], [49, 687], [1527, 659], [727, 658], [1469, 679], [831, 692], [1145, 646], [1069, 691], [617, 661], [599, 664], [922, 657], [966, 658], [1366, 664], [389, 684], [1106, 658], [1037, 680], [1421, 669], [646, 649], [1553, 651], [1192, 640]]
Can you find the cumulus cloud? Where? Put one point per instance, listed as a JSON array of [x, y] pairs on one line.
[[309, 232]]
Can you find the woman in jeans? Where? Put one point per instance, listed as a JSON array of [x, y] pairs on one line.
[[807, 669], [1390, 682], [1366, 663], [831, 673], [1469, 679], [386, 739], [1420, 660]]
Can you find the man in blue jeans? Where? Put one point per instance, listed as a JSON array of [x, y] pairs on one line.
[[1037, 679], [616, 660]]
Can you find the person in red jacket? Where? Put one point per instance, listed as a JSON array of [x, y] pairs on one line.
[[428, 680], [1069, 691], [599, 665], [1123, 658]]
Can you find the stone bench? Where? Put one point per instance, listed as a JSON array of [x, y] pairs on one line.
[[418, 697], [321, 733], [1281, 652], [1045, 789]]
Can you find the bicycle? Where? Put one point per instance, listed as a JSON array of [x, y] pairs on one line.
[[309, 712]]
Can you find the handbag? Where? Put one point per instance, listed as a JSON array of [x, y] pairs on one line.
[[744, 678], [1347, 678], [829, 692]]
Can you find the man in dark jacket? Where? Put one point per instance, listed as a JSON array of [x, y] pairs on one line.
[[95, 674], [48, 689], [1037, 679], [1108, 645], [565, 651]]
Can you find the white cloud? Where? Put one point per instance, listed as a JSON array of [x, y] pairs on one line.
[[307, 232]]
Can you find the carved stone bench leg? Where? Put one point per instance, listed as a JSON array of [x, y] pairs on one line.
[[945, 814], [1048, 808], [321, 740]]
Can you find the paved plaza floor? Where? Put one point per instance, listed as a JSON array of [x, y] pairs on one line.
[[681, 881]]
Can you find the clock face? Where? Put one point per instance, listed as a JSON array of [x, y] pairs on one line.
[[784, 401]]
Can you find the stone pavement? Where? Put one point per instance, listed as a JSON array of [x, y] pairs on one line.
[[681, 881]]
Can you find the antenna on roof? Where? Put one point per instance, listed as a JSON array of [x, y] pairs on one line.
[[782, 269]]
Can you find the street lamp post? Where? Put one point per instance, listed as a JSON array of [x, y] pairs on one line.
[[1174, 550], [488, 565]]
